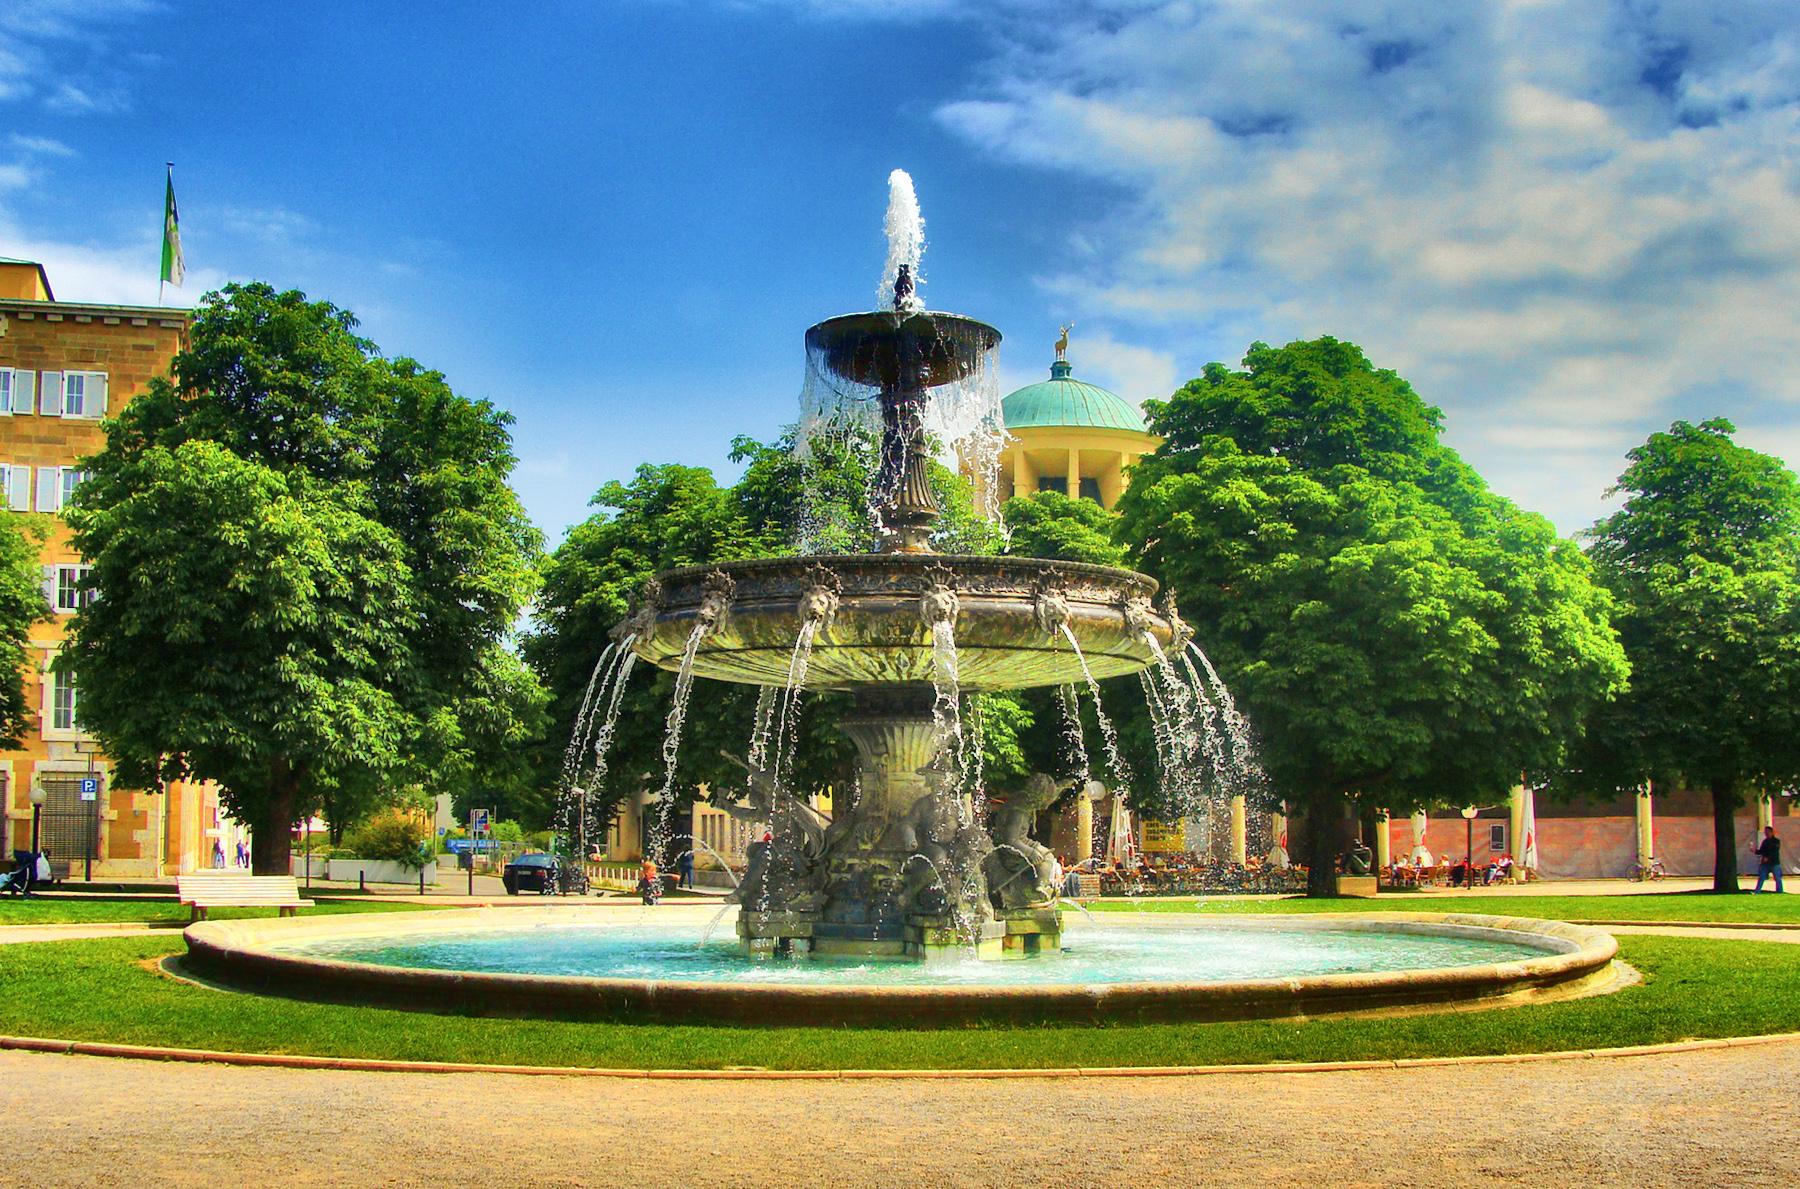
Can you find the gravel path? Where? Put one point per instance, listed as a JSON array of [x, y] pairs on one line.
[[1673, 1119]]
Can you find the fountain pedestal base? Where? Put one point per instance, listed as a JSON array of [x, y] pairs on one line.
[[1015, 933]]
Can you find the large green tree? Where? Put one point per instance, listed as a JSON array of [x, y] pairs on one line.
[[1703, 561], [308, 560], [1395, 631]]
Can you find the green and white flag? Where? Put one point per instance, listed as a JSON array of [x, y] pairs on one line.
[[173, 267]]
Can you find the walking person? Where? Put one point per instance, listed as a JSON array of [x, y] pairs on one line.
[[684, 866], [1768, 858]]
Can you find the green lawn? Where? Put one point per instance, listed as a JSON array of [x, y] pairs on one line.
[[108, 990], [86, 910], [1649, 906]]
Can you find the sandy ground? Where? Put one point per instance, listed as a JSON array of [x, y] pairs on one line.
[[1673, 1119]]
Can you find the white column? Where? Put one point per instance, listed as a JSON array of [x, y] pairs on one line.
[[1515, 834], [1239, 844], [1646, 826], [1084, 827], [1383, 851], [1074, 474]]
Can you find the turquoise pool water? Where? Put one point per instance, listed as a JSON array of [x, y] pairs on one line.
[[1092, 954]]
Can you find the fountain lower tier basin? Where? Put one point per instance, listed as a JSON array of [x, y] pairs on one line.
[[1005, 622], [664, 964]]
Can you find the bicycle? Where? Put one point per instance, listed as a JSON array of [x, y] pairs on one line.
[[1647, 871]]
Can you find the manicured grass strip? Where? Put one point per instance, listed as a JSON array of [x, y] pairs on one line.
[[1654, 906], [107, 991], [41, 910]]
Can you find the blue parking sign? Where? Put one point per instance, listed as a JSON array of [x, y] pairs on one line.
[[90, 788]]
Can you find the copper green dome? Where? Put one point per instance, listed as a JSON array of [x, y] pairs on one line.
[[1062, 400]]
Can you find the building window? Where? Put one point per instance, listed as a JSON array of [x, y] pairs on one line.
[[73, 477], [1497, 838], [84, 394], [6, 389], [1090, 490], [55, 485], [70, 827], [67, 595], [63, 700], [1058, 484], [15, 485]]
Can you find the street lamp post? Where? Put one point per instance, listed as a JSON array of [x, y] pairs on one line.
[[37, 811], [1469, 812]]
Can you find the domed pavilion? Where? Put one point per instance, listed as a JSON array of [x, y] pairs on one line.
[[1070, 436]]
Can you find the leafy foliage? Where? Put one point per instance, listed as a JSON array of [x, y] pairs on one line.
[[1704, 563], [308, 560], [394, 835], [1393, 629], [1051, 524], [21, 605]]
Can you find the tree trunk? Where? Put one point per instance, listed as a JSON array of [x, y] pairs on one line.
[[1725, 802], [1324, 843], [272, 836]]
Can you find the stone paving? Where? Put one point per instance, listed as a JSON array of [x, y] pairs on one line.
[[1687, 1118]]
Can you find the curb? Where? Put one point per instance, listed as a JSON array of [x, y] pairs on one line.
[[32, 1044], [1746, 925]]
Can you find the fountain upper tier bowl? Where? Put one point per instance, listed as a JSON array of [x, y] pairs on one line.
[[874, 349], [874, 614]]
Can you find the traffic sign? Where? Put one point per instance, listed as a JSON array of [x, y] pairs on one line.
[[478, 821], [90, 788]]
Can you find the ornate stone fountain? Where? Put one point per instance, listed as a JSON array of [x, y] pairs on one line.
[[905, 867]]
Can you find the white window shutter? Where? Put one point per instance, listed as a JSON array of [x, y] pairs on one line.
[[96, 406], [50, 394], [49, 489], [50, 586], [18, 487], [24, 391]]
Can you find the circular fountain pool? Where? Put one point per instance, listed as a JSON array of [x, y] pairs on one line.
[[574, 962]]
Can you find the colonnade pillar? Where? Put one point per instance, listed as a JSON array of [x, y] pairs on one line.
[[1646, 826], [1383, 851], [1074, 474], [1515, 833], [1084, 827], [1239, 843]]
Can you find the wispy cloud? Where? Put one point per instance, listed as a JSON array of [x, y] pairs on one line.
[[1566, 223], [39, 146], [64, 55]]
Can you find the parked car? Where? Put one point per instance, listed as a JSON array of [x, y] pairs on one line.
[[534, 872]]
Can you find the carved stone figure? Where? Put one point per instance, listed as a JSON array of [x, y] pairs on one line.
[[1021, 872], [1051, 604]]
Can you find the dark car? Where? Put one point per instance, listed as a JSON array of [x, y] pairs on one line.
[[531, 873]]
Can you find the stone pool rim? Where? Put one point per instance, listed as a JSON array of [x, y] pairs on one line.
[[249, 955]]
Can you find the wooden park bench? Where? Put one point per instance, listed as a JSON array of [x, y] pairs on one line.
[[211, 889]]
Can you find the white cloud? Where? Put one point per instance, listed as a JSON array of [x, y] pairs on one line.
[[1567, 224], [42, 146], [1135, 373], [62, 53]]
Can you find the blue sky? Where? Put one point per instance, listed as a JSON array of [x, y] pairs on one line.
[[1568, 224]]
